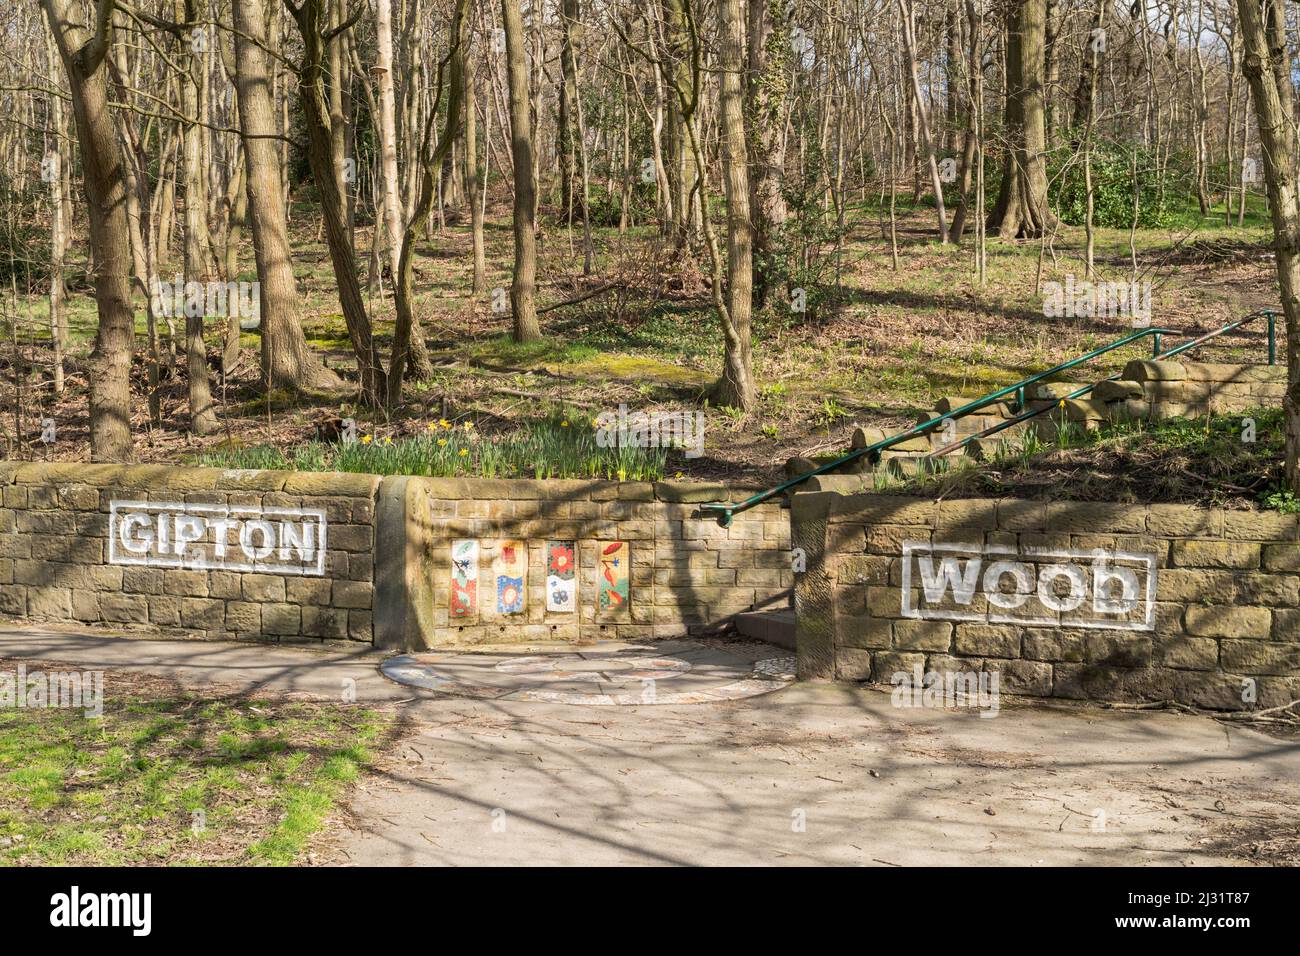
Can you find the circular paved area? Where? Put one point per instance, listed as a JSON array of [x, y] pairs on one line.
[[667, 672]]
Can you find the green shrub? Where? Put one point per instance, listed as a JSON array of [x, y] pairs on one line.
[[1112, 184]]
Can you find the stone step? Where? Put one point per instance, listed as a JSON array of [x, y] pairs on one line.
[[862, 437], [773, 627], [1164, 370], [1002, 408], [1117, 391], [1052, 391]]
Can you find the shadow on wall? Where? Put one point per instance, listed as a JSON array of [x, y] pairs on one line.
[[688, 575], [387, 571], [1103, 601]]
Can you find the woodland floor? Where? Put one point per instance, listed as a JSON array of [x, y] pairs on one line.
[[892, 343]]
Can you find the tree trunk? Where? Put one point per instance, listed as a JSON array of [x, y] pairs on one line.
[[522, 288], [907, 17], [429, 162], [474, 180], [83, 55], [570, 37], [765, 91], [335, 82], [388, 126], [286, 360], [1091, 53], [321, 148], [135, 167], [683, 166], [1022, 210], [203, 416], [1267, 68], [237, 214], [736, 387], [58, 228]]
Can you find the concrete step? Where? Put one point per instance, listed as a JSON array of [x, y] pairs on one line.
[[773, 627]]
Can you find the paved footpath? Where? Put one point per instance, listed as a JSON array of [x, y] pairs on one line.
[[812, 774]]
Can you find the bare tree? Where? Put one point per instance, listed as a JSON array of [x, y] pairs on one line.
[[475, 185], [736, 387], [523, 288], [431, 161], [198, 243], [388, 126], [765, 91], [322, 122], [1266, 64], [286, 360], [83, 49], [1022, 209]]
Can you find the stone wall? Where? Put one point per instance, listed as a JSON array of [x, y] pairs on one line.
[[384, 574], [55, 556], [1172, 389], [1215, 620], [688, 574]]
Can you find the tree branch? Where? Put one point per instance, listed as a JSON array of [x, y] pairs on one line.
[[93, 53]]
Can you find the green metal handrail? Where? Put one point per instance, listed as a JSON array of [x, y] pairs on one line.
[[1080, 392], [725, 512]]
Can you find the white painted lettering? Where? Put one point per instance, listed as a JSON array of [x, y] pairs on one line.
[[199, 536]]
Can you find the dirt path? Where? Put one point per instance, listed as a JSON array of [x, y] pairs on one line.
[[870, 784], [814, 774]]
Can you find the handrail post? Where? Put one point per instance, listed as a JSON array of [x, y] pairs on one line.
[[1155, 345]]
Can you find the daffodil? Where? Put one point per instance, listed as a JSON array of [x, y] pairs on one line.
[[441, 442], [464, 452], [366, 439], [622, 475], [444, 424], [678, 475], [564, 424], [388, 440], [469, 426]]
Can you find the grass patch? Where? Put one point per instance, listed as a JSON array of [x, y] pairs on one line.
[[170, 777], [501, 350]]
